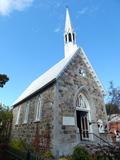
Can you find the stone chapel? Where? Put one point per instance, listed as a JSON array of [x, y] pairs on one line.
[[69, 98]]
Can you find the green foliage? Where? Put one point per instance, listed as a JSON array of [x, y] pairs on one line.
[[17, 144], [103, 156], [21, 149], [5, 113], [80, 153], [63, 158], [48, 155], [112, 109], [5, 123], [3, 79], [113, 104], [66, 158]]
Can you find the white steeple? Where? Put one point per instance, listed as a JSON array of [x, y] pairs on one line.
[[70, 45], [68, 26]]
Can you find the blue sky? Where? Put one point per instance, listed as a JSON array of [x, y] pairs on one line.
[[31, 39]]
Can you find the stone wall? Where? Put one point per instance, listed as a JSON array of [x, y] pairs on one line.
[[27, 131], [59, 109], [69, 84]]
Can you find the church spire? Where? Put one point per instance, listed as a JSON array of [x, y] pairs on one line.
[[69, 36], [68, 26]]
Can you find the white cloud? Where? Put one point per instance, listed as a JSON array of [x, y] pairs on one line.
[[84, 10], [92, 10], [7, 6], [57, 30]]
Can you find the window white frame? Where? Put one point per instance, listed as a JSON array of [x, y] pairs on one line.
[[83, 105], [18, 115], [38, 109], [26, 113]]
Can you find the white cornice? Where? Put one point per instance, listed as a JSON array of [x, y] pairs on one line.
[[94, 75]]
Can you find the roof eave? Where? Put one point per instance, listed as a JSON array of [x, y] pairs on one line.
[[99, 84], [36, 92]]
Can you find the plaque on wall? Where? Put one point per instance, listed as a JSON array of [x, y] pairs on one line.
[[68, 121]]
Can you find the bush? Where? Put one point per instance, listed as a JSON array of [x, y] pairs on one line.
[[80, 153], [66, 158], [62, 158], [17, 144], [48, 155]]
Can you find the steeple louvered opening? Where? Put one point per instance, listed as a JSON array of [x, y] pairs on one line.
[[65, 38], [70, 37], [73, 37]]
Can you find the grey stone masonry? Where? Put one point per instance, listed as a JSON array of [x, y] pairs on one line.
[[59, 107], [70, 83], [27, 131]]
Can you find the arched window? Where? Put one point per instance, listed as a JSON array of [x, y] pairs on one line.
[[26, 113], [18, 115], [65, 38], [38, 109], [70, 37], [83, 116], [82, 102]]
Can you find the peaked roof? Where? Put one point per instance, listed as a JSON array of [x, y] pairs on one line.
[[114, 118], [53, 73], [44, 79]]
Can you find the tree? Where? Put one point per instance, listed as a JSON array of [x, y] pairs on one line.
[[5, 122], [113, 105], [3, 79], [114, 94], [112, 109]]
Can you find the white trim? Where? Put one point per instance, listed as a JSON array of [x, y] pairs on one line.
[[18, 115], [26, 113], [81, 106], [38, 109], [87, 62], [87, 109]]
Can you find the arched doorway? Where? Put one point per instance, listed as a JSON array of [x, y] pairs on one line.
[[83, 116]]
